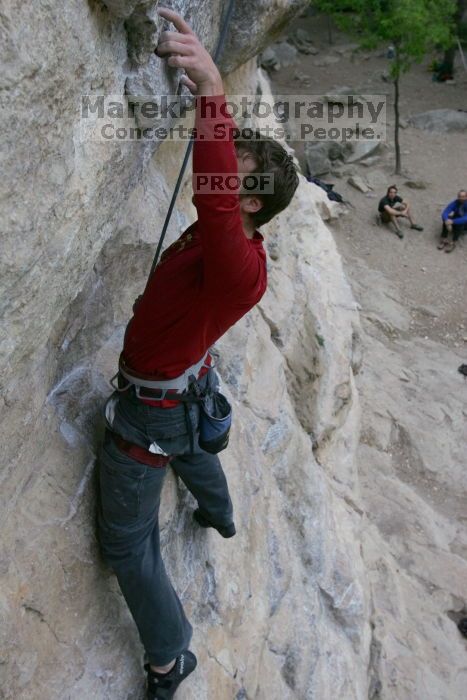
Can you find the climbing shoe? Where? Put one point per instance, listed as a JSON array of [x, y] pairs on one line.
[[163, 686], [224, 530]]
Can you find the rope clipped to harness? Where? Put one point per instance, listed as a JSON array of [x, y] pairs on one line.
[[217, 54]]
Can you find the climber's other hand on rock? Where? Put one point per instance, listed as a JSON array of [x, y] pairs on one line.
[[185, 50]]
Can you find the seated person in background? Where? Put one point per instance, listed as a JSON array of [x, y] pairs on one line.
[[454, 221], [391, 207]]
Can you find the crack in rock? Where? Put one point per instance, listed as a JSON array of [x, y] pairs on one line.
[[40, 615]]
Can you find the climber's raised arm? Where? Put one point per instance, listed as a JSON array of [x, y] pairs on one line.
[[186, 51], [228, 216], [229, 261]]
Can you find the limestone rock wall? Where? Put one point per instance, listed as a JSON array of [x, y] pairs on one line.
[[413, 491], [282, 609]]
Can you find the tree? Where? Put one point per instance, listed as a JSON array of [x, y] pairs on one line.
[[412, 27], [448, 61]]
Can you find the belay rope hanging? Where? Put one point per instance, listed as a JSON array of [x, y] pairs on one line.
[[217, 54]]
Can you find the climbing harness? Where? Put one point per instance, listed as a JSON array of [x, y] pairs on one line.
[[152, 456], [138, 453], [215, 419], [158, 388]]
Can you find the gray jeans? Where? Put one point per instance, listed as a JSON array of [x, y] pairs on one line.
[[128, 514]]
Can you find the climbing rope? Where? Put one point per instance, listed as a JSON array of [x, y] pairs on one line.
[[217, 54]]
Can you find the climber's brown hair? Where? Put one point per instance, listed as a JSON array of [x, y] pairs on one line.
[[270, 157]]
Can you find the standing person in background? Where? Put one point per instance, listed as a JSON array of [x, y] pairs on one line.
[[454, 219]]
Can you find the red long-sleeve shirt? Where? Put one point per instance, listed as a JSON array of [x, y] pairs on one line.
[[209, 278]]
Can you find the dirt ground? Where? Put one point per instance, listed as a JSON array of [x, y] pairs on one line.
[[432, 284]]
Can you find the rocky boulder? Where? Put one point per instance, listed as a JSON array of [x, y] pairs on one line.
[[303, 41], [322, 156], [278, 56], [361, 150], [359, 183], [441, 120]]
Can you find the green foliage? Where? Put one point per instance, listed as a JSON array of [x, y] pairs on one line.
[[413, 27]]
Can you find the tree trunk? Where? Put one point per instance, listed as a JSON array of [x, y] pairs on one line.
[[396, 121], [449, 54], [447, 67]]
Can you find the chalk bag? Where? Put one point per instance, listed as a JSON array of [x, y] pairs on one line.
[[214, 423]]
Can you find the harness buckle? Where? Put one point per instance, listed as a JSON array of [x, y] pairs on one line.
[[159, 398], [117, 386]]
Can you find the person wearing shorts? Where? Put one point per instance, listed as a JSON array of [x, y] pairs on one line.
[[392, 207]]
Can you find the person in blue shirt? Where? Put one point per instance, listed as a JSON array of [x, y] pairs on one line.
[[454, 219]]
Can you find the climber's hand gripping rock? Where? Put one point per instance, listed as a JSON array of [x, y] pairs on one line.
[[185, 50]]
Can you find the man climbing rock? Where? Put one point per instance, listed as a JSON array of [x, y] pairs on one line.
[[454, 219], [205, 282], [391, 207]]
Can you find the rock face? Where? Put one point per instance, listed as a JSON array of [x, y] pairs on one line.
[[278, 56], [302, 41], [282, 609], [359, 183], [361, 151], [322, 156], [413, 492], [442, 120]]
